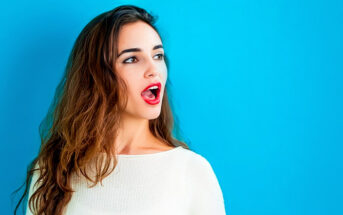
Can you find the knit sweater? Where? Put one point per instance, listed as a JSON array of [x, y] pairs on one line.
[[178, 181]]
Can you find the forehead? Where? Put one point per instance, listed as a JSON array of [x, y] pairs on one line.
[[137, 35]]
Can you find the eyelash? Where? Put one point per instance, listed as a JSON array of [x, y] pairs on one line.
[[161, 55]]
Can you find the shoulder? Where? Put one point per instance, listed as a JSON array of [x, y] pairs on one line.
[[33, 186], [35, 176], [196, 162], [206, 196], [199, 170]]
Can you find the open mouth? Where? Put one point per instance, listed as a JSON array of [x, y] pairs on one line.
[[151, 94]]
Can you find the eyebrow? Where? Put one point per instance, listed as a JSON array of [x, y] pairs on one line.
[[138, 49]]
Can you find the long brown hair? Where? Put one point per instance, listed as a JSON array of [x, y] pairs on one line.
[[82, 120]]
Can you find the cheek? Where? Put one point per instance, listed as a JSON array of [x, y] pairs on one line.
[[164, 72], [130, 82], [133, 88], [165, 77]]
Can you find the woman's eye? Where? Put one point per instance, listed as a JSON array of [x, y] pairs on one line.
[[129, 60], [161, 56], [134, 59]]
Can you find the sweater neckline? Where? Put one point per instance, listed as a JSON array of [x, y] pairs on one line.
[[149, 154]]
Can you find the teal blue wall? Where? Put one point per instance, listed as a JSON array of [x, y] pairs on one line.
[[257, 86]]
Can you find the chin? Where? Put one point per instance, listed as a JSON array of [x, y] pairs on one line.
[[144, 111], [148, 114], [152, 115]]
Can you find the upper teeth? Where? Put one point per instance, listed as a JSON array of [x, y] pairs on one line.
[[154, 87]]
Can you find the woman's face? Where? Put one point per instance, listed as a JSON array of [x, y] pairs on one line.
[[140, 63]]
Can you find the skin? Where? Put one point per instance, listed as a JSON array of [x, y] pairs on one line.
[[141, 69]]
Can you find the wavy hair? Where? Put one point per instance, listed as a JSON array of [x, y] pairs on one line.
[[82, 121]]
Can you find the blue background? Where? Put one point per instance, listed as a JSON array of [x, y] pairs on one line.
[[257, 87]]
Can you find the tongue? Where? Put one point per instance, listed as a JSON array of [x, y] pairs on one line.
[[148, 95]]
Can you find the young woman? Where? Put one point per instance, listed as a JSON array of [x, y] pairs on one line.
[[111, 123]]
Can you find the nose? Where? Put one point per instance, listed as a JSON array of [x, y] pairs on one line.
[[152, 69]]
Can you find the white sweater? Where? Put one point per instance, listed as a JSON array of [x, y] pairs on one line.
[[173, 182]]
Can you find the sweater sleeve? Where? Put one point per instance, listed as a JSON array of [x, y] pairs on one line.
[[206, 197]]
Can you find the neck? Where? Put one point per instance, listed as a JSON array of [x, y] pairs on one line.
[[133, 135]]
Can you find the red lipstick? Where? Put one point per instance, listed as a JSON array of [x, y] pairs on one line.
[[152, 96]]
